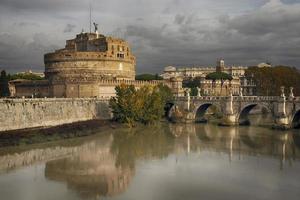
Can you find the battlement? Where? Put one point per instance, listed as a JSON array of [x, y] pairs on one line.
[[84, 56], [136, 83]]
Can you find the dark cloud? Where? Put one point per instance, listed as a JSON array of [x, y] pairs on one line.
[[20, 55], [179, 19], [69, 28], [160, 32]]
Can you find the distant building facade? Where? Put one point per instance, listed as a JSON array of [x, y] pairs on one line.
[[30, 72], [239, 83]]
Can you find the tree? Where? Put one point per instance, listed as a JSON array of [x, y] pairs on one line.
[[269, 80], [122, 105], [192, 83], [218, 76], [145, 105], [4, 78], [148, 77]]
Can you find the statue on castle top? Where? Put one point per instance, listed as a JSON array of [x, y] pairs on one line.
[[96, 27]]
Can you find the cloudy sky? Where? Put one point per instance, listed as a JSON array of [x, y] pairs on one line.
[[160, 32]]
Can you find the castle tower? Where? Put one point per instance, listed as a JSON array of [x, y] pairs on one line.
[[220, 65], [87, 60]]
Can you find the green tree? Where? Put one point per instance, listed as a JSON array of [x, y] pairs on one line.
[[148, 77], [145, 105], [123, 104], [192, 83], [218, 76]]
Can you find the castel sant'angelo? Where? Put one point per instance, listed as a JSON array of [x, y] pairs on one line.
[[91, 65]]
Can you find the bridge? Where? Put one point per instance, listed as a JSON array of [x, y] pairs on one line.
[[235, 109]]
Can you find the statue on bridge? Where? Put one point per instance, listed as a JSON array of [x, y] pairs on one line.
[[291, 93], [198, 92], [282, 92], [241, 92]]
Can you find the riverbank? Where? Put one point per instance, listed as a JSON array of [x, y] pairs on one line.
[[49, 134]]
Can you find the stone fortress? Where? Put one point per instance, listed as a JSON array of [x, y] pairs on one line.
[[91, 65]]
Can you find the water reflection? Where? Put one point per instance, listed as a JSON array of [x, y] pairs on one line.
[[92, 172], [250, 141], [106, 165]]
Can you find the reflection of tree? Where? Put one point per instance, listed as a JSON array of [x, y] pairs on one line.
[[143, 142]]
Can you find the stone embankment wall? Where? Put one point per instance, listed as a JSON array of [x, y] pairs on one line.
[[30, 113]]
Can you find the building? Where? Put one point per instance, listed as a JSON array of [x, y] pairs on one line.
[[219, 87], [201, 71], [77, 70], [262, 65], [29, 72], [90, 65], [239, 83]]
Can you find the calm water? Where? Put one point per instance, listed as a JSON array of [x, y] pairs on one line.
[[166, 162]]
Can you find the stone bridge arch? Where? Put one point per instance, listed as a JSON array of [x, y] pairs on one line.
[[245, 109], [200, 109], [295, 122]]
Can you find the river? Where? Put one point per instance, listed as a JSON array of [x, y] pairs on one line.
[[162, 162]]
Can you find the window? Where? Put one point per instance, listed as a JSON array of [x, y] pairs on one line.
[[120, 55]]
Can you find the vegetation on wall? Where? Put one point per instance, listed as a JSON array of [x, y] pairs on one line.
[[269, 79], [148, 77], [145, 105]]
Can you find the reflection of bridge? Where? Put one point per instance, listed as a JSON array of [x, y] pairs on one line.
[[235, 109], [236, 141]]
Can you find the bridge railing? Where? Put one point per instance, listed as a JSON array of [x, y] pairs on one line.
[[297, 99], [235, 98], [257, 98], [209, 98]]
